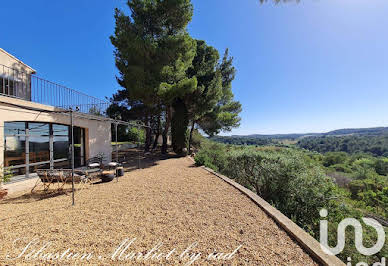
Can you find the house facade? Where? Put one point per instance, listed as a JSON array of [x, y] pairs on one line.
[[35, 122]]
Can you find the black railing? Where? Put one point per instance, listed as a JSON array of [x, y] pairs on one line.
[[21, 85]]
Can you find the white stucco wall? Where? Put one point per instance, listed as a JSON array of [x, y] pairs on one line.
[[17, 73], [97, 133], [10, 61]]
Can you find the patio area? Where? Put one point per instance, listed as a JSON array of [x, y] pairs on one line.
[[169, 201]]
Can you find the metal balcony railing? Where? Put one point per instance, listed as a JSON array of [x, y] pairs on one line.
[[19, 84]]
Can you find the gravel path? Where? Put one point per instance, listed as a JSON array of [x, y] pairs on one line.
[[172, 202]]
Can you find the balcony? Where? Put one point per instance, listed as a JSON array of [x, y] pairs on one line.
[[18, 84]]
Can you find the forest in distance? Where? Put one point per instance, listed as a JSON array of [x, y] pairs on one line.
[[373, 141]]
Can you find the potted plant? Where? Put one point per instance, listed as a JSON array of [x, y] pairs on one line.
[[4, 177]]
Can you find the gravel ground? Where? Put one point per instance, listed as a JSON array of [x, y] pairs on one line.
[[188, 211]]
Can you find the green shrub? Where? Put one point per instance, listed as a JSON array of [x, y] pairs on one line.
[[381, 166], [284, 179], [341, 168], [332, 158], [212, 155], [135, 134]]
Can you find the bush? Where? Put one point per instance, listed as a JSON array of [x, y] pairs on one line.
[[332, 158], [284, 179], [136, 135], [293, 182], [381, 166], [212, 155]]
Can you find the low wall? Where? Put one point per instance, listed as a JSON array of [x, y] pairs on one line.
[[310, 244]]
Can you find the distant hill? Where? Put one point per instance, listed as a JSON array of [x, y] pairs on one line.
[[375, 131], [373, 141]]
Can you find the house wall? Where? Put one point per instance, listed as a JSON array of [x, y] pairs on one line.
[[97, 133], [16, 74], [12, 62]]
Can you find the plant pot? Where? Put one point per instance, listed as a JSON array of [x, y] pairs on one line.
[[3, 193]]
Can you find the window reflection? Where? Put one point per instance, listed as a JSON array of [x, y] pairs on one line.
[[60, 130], [39, 129], [39, 149], [61, 147], [14, 128], [15, 150], [44, 140]]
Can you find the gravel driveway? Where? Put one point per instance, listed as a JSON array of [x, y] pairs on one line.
[[169, 213]]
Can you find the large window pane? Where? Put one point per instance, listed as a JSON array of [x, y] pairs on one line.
[[60, 130], [39, 129], [61, 147], [14, 128], [39, 149], [14, 152]]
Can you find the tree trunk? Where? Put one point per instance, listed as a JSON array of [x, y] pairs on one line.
[[148, 136], [191, 136], [157, 134], [166, 128]]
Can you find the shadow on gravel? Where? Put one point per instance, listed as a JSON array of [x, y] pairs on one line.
[[134, 159]]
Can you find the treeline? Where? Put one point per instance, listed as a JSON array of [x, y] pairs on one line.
[[170, 81], [244, 141], [375, 145]]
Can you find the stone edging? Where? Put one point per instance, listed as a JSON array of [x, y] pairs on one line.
[[307, 242]]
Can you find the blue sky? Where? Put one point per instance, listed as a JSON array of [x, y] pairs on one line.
[[309, 67]]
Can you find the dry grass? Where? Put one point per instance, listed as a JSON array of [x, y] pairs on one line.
[[172, 202]]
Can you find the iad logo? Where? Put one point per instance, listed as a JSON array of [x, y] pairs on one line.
[[358, 235]]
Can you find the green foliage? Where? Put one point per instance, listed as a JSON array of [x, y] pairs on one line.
[[294, 181], [212, 155], [375, 145], [243, 141], [136, 135], [197, 139], [225, 115], [381, 166], [333, 158], [153, 52], [282, 177], [5, 175]]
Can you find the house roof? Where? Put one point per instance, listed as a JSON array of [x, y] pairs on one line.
[[18, 60]]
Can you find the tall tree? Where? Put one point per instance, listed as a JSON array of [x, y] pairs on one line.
[[225, 115], [209, 84], [152, 51]]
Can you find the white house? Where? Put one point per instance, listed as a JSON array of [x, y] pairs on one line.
[[34, 124]]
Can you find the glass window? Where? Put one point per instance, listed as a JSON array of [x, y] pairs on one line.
[[14, 128], [39, 149], [60, 130], [45, 141], [15, 150], [61, 147], [39, 129]]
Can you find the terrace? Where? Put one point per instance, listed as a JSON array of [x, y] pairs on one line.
[[18, 83], [169, 201]]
